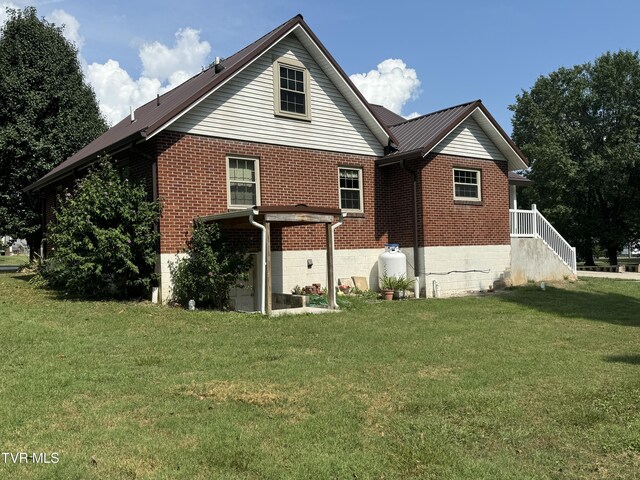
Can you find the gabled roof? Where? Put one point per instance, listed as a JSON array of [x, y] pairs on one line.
[[419, 136], [386, 115], [157, 114]]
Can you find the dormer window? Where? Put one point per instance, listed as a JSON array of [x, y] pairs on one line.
[[291, 89]]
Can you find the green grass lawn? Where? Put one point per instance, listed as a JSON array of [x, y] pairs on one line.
[[521, 384], [11, 260]]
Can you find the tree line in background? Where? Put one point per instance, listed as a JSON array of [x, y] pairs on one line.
[[580, 128]]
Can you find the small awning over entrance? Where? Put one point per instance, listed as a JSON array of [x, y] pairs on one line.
[[286, 215]]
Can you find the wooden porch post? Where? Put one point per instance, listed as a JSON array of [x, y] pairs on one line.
[[267, 252], [331, 288]]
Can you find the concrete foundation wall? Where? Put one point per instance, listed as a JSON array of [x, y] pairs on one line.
[[289, 268], [473, 268], [162, 267], [533, 260], [464, 269]]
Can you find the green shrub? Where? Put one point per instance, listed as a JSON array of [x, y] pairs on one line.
[[209, 271], [104, 237]]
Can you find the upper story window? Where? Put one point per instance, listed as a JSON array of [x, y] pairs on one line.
[[291, 89], [350, 185], [243, 182], [466, 184]]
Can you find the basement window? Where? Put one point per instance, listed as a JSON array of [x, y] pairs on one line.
[[291, 89], [243, 182], [466, 184]]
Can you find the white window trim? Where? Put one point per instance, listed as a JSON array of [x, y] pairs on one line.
[[478, 173], [296, 65], [256, 161], [360, 190]]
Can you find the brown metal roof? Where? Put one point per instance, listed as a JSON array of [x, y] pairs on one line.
[[154, 115], [387, 116], [422, 133], [517, 179], [417, 136]]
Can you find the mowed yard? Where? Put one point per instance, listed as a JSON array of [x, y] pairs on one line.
[[521, 384]]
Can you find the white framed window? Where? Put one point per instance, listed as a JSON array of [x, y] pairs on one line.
[[350, 187], [466, 184], [291, 96], [243, 182]]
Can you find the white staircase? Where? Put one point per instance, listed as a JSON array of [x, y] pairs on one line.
[[532, 224]]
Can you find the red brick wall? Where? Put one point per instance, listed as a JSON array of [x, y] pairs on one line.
[[192, 183], [448, 222]]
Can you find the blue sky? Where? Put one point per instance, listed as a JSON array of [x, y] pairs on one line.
[[460, 51]]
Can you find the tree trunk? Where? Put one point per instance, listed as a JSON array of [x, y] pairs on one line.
[[34, 244], [612, 252], [589, 261]]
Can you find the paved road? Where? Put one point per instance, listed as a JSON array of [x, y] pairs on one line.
[[619, 276], [8, 268]]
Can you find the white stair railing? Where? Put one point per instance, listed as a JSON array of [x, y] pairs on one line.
[[532, 224]]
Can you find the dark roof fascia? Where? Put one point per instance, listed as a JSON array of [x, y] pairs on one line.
[[397, 158], [225, 74], [346, 78], [504, 134], [44, 181]]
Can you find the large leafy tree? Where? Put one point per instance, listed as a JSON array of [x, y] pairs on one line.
[[580, 126], [47, 112]]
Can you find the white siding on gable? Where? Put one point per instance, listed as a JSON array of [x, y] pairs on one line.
[[243, 110], [469, 140]]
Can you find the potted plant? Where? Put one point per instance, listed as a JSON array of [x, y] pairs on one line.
[[387, 285], [402, 284]]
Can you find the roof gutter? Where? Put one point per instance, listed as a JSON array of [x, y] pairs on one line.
[[47, 180], [399, 158]]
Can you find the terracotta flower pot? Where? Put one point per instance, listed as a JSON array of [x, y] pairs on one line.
[[387, 294]]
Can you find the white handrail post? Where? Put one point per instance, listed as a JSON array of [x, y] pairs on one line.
[[535, 220], [575, 260]]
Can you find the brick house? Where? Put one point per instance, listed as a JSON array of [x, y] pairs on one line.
[[277, 136]]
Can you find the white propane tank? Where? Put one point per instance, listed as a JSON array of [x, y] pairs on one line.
[[392, 261]]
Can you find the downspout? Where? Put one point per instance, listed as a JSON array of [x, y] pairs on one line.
[[333, 239], [263, 271], [416, 250]]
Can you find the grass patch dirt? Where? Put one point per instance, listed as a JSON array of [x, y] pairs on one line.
[[522, 384]]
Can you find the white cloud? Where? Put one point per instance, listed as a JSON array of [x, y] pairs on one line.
[[160, 61], [391, 85], [116, 91], [163, 68], [70, 26]]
